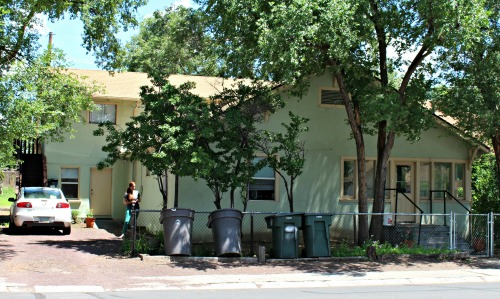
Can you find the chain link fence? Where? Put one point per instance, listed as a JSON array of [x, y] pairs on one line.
[[473, 233]]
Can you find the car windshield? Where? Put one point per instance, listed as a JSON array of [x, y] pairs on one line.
[[37, 193]]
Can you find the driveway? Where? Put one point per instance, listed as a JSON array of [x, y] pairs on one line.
[[92, 257]]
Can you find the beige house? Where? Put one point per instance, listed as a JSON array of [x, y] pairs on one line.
[[440, 160]]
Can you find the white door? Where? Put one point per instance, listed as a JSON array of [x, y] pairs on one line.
[[100, 191]]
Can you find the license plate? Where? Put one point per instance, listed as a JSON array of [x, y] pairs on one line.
[[44, 219]]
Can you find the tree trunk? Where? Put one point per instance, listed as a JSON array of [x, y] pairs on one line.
[[354, 118], [385, 143], [176, 191]]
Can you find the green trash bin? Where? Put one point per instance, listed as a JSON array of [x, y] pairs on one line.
[[316, 229], [285, 232]]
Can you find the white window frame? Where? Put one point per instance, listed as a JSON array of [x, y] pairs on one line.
[[103, 107], [77, 182]]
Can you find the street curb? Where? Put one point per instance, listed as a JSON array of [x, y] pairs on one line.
[[254, 260]]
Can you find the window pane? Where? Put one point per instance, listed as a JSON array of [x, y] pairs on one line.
[[388, 182], [106, 113], [70, 190], [370, 179], [349, 171], [425, 181], [265, 172], [442, 177], [459, 180], [69, 173], [403, 180], [262, 186]]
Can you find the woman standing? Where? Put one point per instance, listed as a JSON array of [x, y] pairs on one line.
[[131, 199]]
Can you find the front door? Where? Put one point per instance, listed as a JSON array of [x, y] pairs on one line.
[[100, 191], [405, 184]]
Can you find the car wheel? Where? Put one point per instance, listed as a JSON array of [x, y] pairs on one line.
[[13, 229], [67, 230]]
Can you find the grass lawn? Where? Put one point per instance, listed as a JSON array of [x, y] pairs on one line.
[[4, 197]]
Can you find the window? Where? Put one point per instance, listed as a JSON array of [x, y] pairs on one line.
[[442, 178], [262, 186], [349, 179], [425, 179], [459, 181], [331, 97], [69, 182], [370, 179], [104, 113]]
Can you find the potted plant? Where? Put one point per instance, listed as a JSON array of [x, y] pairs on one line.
[[90, 220], [409, 238], [75, 215]]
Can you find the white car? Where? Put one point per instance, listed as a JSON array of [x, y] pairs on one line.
[[40, 206]]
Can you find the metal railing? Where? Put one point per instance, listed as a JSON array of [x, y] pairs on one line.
[[445, 193], [399, 191]]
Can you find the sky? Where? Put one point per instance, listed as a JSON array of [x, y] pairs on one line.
[[67, 34]]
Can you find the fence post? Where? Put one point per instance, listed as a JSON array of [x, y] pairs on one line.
[[491, 222], [251, 234], [132, 227], [355, 226], [452, 229]]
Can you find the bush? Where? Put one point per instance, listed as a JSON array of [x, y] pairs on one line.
[[485, 191]]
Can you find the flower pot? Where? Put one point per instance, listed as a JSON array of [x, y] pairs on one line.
[[90, 222], [479, 245], [177, 231], [226, 231]]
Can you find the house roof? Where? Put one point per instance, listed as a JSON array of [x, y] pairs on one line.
[[126, 85]]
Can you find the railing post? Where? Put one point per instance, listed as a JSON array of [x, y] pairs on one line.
[[444, 206], [396, 209], [430, 205]]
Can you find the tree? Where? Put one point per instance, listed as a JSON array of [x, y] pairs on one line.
[[40, 99], [174, 41], [285, 153], [485, 191], [471, 94], [166, 137], [101, 21], [360, 43], [229, 155]]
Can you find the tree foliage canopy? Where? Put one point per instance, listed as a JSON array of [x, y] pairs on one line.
[[102, 19], [173, 41], [471, 90], [40, 99], [378, 52]]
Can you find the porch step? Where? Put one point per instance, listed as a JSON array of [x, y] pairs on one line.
[[431, 236]]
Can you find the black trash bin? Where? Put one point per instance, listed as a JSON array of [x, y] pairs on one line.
[[177, 231], [285, 233], [226, 231], [316, 229]]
